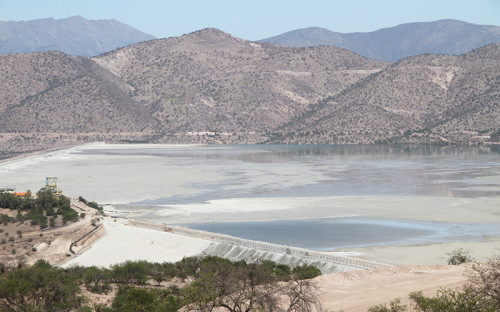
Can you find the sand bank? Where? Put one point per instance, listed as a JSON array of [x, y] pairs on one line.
[[424, 208]]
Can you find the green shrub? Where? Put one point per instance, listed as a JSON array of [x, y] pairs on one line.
[[306, 271], [395, 306], [135, 299], [464, 300], [459, 256]]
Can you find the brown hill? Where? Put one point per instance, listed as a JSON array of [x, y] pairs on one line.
[[427, 98], [211, 81], [54, 92], [210, 87]]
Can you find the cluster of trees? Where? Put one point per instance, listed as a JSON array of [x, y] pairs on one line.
[[202, 284], [91, 204], [40, 211]]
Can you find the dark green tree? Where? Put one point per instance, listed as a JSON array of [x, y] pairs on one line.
[[130, 299], [306, 271], [40, 287]]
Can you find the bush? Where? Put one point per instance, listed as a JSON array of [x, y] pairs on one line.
[[131, 272], [451, 300], [484, 280], [395, 306], [83, 200], [306, 271], [459, 256], [40, 287], [135, 299]]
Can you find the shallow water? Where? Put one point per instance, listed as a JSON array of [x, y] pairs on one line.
[[160, 181], [332, 233], [338, 170]]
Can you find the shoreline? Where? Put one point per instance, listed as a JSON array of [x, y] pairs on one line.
[[22, 155], [178, 175]]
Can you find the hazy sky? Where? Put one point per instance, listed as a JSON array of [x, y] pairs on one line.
[[256, 19]]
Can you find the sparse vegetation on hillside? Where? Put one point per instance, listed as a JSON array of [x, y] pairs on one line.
[[38, 210], [480, 294]]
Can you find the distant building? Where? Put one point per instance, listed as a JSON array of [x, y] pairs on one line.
[[24, 194]]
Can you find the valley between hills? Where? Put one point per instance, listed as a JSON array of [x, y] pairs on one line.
[[210, 87]]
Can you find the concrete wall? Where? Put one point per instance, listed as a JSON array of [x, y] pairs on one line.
[[234, 248]]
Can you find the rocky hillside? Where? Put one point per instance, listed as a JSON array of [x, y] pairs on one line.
[[53, 92], [394, 43], [210, 81], [427, 98], [210, 87], [74, 35]]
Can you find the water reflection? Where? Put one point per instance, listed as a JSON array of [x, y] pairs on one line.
[[333, 233], [329, 170]]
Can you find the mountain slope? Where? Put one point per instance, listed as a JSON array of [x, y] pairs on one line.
[[54, 92], [210, 87], [210, 81], [394, 43], [423, 98], [74, 35]]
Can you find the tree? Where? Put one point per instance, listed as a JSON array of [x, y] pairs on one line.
[[40, 287], [306, 271], [130, 272], [302, 295], [459, 256], [45, 200], [484, 280], [239, 286], [463, 300], [135, 299], [96, 279], [158, 273], [395, 306]]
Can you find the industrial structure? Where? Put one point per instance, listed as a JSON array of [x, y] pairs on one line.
[[51, 185]]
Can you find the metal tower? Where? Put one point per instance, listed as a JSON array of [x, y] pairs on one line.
[[51, 185]]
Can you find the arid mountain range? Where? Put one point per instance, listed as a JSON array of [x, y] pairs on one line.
[[74, 35], [395, 43], [210, 87], [79, 36]]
